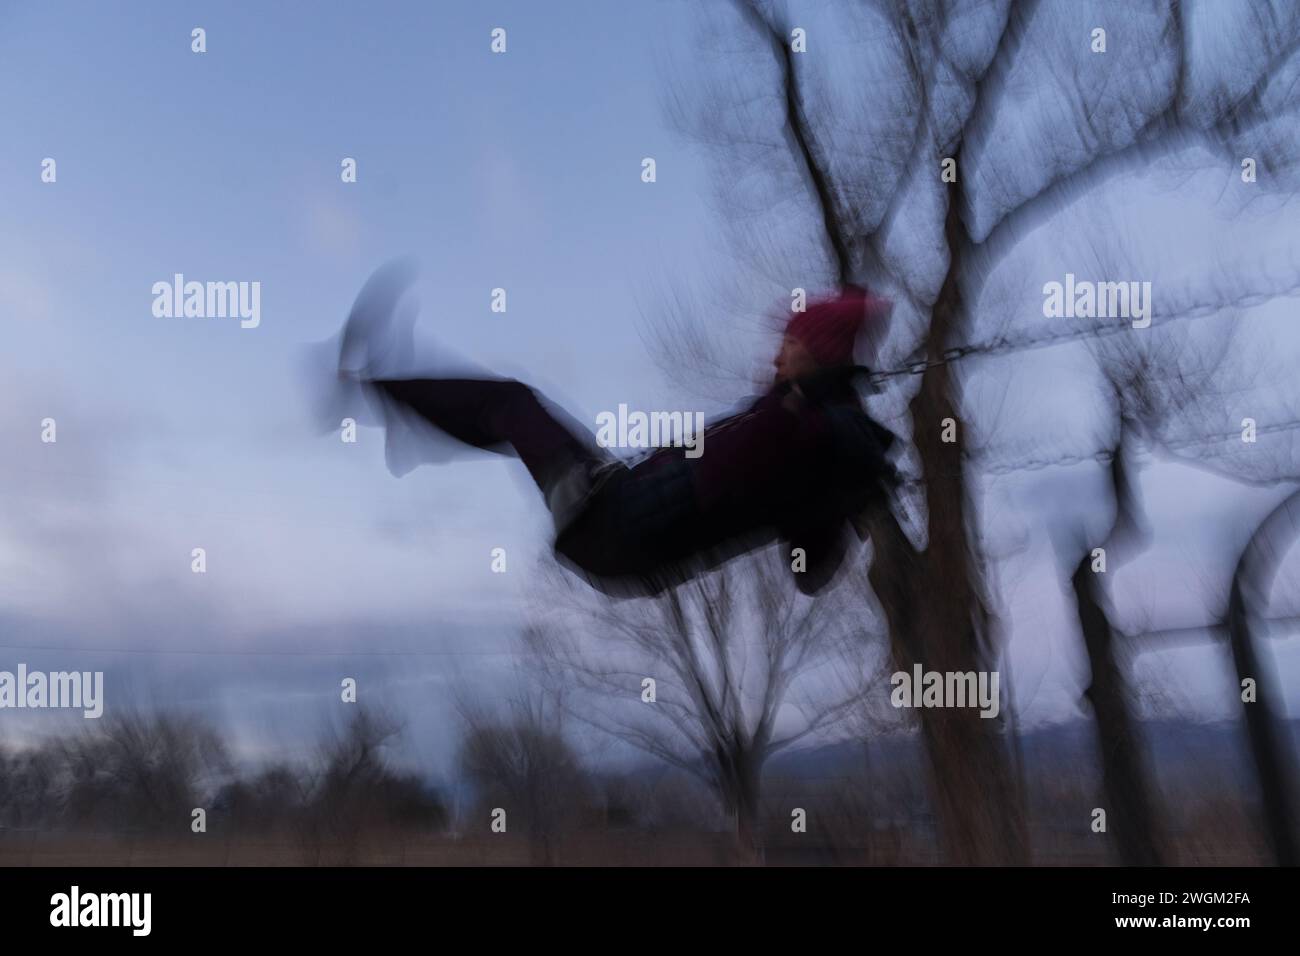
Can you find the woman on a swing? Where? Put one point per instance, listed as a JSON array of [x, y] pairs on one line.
[[800, 464]]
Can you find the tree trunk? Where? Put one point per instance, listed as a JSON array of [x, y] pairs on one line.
[[747, 823], [741, 775], [1266, 728], [1131, 818], [936, 613]]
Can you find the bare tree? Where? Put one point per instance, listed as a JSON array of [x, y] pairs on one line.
[[1270, 740], [1026, 108], [140, 771], [713, 676], [353, 789], [522, 763]]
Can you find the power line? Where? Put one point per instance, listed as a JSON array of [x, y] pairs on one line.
[[209, 652]]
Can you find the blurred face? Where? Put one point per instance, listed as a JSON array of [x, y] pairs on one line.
[[793, 361]]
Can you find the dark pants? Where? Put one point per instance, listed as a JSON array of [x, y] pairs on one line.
[[632, 533], [498, 415]]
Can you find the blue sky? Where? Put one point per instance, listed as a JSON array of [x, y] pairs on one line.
[[520, 171]]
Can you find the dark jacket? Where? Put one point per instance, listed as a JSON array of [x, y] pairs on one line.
[[795, 466]]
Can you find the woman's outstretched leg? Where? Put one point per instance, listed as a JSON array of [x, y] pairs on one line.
[[504, 416], [493, 414]]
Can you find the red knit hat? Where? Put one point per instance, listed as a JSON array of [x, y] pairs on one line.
[[829, 327]]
